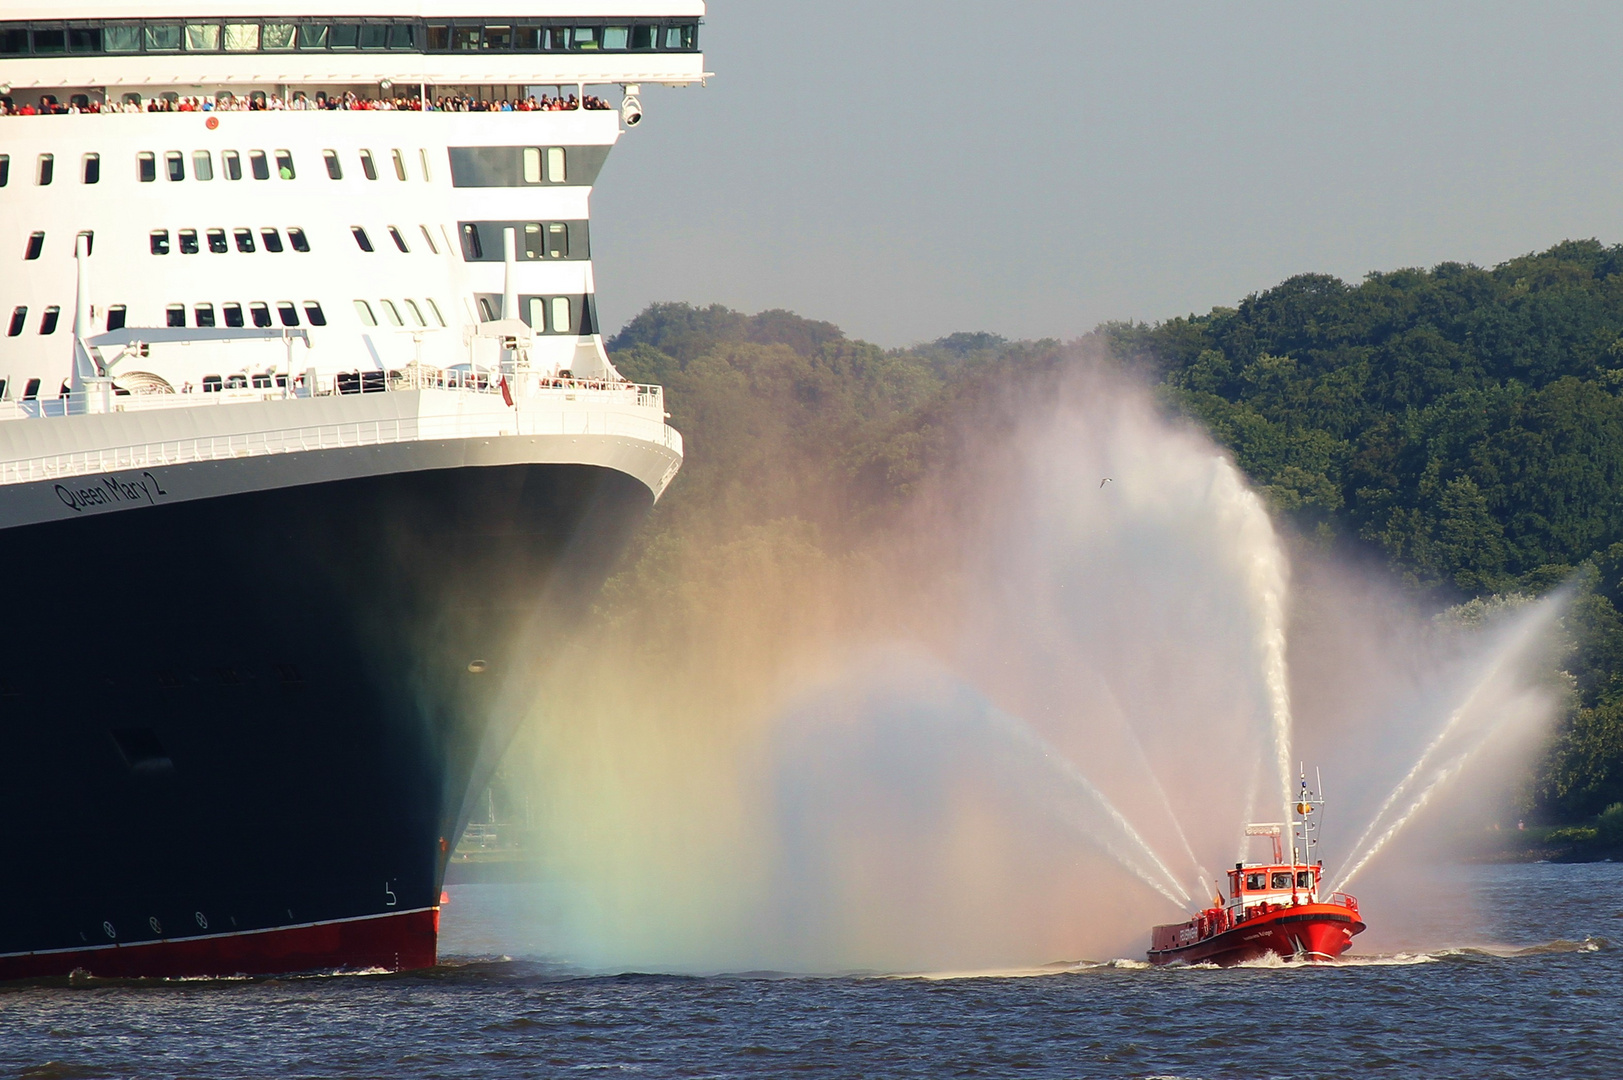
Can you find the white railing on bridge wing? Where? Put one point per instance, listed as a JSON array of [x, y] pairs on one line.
[[343, 384], [533, 421]]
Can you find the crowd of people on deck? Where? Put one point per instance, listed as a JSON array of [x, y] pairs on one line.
[[48, 105]]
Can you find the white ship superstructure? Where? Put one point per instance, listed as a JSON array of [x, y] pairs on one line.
[[286, 262]]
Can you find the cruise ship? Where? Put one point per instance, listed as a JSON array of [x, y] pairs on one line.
[[311, 457]]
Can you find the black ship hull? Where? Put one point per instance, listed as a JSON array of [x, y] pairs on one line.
[[239, 733]]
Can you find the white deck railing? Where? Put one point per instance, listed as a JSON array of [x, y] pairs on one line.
[[570, 408], [343, 385]]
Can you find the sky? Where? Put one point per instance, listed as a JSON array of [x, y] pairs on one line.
[[911, 168]]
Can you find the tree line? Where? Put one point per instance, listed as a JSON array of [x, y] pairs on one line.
[[1464, 424]]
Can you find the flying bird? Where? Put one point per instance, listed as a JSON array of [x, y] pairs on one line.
[[1106, 480]]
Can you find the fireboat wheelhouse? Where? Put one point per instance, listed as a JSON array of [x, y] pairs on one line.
[[1271, 907]]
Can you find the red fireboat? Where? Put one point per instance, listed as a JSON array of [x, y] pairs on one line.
[[1271, 907]]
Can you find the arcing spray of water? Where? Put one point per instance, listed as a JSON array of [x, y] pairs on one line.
[[1489, 706]]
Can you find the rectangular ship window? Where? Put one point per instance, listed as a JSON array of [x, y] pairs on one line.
[[364, 310], [402, 36], [642, 37], [5, 169], [345, 36], [473, 249], [47, 170], [527, 38], [498, 37], [296, 237], [35, 248], [415, 312], [273, 240], [259, 164], [231, 161], [557, 241], [368, 167], [277, 37], [175, 315], [31, 390], [261, 314], [616, 37], [287, 313], [188, 241], [241, 37], [585, 37], [163, 37], [146, 167], [465, 39], [557, 172], [89, 237], [428, 238], [538, 315], [202, 165], [122, 39], [428, 176], [13, 42], [335, 171], [203, 315], [202, 37], [84, 39], [48, 321], [362, 241], [561, 322], [160, 241], [115, 317], [313, 36], [399, 165], [391, 313], [399, 241], [245, 240], [175, 165], [313, 312], [439, 38], [532, 242], [50, 41], [374, 36], [217, 242], [435, 308], [232, 313], [284, 164], [92, 169]]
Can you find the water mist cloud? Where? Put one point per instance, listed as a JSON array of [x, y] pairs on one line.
[[1017, 725]]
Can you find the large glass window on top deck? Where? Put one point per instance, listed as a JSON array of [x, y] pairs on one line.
[[272, 33]]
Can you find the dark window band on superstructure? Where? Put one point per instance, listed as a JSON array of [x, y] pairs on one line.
[[538, 241], [270, 34], [574, 315], [526, 166]]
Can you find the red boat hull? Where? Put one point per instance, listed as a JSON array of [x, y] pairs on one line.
[[396, 942], [1316, 932]]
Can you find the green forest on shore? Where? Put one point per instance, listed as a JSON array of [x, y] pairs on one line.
[[1462, 425]]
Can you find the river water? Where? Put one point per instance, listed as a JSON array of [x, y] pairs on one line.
[[1545, 1001]]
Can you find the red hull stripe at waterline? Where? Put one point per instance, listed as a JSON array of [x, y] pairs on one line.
[[1313, 932], [399, 941]]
